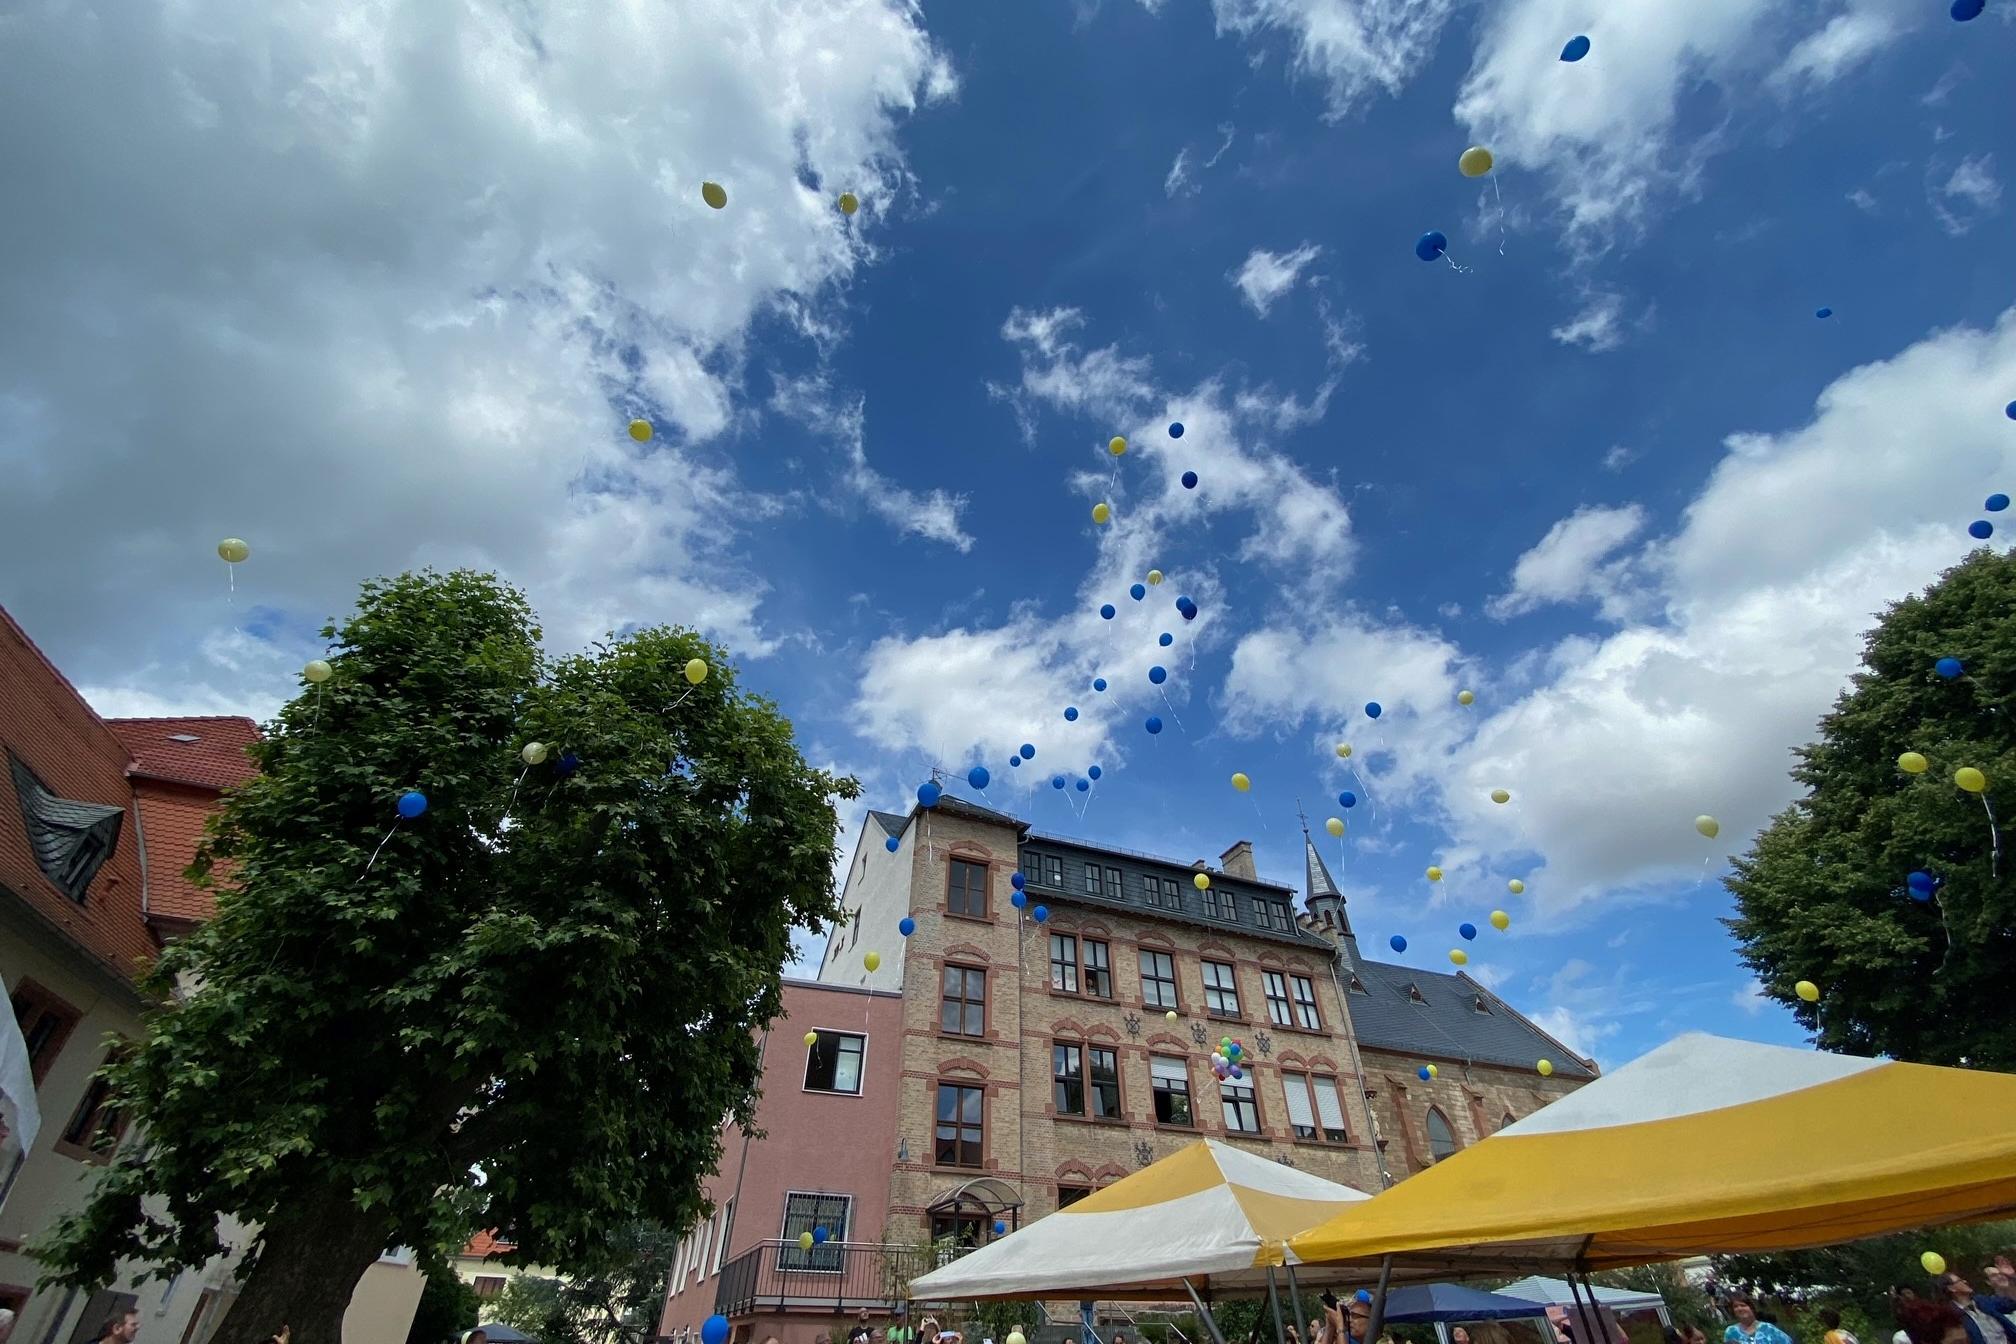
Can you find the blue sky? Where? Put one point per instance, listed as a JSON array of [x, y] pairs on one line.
[[380, 295]]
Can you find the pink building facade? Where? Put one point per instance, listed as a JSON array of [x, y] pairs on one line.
[[828, 1115]]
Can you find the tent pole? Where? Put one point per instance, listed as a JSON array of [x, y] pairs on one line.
[[1590, 1333], [1274, 1300], [1295, 1303], [1378, 1304], [1204, 1313]]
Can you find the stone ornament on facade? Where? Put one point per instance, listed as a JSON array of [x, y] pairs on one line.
[[1144, 1152], [1264, 1041], [1133, 1024], [1197, 1032]]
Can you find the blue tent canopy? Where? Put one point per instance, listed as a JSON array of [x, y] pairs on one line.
[[1454, 1302]]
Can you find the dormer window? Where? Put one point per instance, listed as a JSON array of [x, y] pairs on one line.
[[1414, 994], [70, 840], [1482, 1005], [1358, 986]]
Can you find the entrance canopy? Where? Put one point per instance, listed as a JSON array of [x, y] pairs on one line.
[[1208, 1213], [1704, 1146]]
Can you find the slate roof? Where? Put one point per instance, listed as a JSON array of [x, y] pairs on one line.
[[215, 759], [892, 823], [1446, 1022]]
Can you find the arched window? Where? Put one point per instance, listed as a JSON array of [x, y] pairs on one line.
[[1441, 1138], [1506, 1120]]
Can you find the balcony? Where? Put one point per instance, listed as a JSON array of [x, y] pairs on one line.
[[833, 1277]]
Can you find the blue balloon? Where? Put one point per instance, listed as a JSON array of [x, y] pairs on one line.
[[1093, 771], [1996, 503], [1981, 529], [1018, 899], [906, 926], [1056, 781], [1422, 1073], [819, 1235], [1014, 760], [1175, 429], [1166, 639], [2010, 410], [1138, 591], [1016, 880], [1347, 799], [1948, 668], [1921, 884], [1188, 610], [569, 763], [714, 1330], [1070, 713], [1372, 709], [999, 1227], [1154, 724], [1468, 930], [1238, 1072], [1084, 786], [928, 793], [1158, 674], [1028, 752], [1823, 312], [1098, 683], [1430, 245], [978, 776], [1189, 480], [412, 803], [1107, 611], [1964, 11], [892, 844], [1397, 943], [1040, 913], [1577, 48]]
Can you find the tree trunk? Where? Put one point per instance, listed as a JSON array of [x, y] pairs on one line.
[[310, 1260]]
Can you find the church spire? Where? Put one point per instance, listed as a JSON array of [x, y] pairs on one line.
[[1321, 896]]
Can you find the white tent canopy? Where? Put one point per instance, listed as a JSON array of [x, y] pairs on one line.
[[1211, 1214], [1545, 1291]]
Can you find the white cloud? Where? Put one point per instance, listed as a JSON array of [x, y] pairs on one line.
[[1266, 276], [1863, 200], [1750, 998], [1619, 457], [1179, 181], [1567, 564], [1969, 195], [1848, 39], [381, 293], [1598, 327], [934, 515], [1353, 47]]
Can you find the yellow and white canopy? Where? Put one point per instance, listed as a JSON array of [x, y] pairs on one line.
[[1703, 1146], [1209, 1213]]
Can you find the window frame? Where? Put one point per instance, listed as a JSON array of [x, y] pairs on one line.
[[1093, 884], [1087, 970], [1319, 1130], [1067, 1070], [1093, 1085], [1063, 969], [1078, 1192], [100, 1125], [1231, 970], [1506, 1121], [1175, 1000], [811, 1261], [1428, 1127], [494, 1283], [30, 995], [964, 1001], [1158, 1090], [1214, 902], [1229, 1106], [1295, 1082], [1343, 1135], [1309, 1008], [959, 1141], [986, 904], [860, 1061], [1280, 1011]]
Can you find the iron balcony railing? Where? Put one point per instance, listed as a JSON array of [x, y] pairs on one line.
[[833, 1276]]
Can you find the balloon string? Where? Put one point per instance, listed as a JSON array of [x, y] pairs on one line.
[[381, 846], [318, 706], [1460, 270], [1995, 837], [1501, 213], [1172, 713], [514, 796], [1258, 813], [680, 701]]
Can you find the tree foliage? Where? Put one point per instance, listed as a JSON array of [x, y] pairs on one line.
[[1856, 1277], [614, 1302], [567, 1003], [1822, 895]]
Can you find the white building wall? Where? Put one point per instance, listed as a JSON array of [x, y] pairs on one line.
[[876, 897]]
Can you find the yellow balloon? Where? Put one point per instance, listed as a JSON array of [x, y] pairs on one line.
[[640, 430], [1464, 698], [317, 671], [1934, 1262], [811, 1039], [1117, 446], [1017, 1337], [1202, 882], [1708, 826], [714, 194], [1911, 763], [1154, 577], [1545, 1068], [1474, 161], [532, 753], [1970, 779], [1240, 782], [1807, 990], [849, 203], [1515, 886], [873, 961], [1459, 956], [1433, 1072], [1101, 512], [231, 550], [805, 1241], [696, 670], [1343, 751], [1171, 1014], [1335, 825], [1434, 874], [1500, 796], [1500, 920]]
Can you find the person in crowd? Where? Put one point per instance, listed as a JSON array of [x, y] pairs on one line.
[[124, 1327], [1986, 1318], [1749, 1329], [477, 1336], [1349, 1326], [1315, 1335], [1926, 1322], [1830, 1320], [863, 1332], [1459, 1336]]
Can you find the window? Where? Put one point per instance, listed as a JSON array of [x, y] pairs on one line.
[[1242, 1113], [966, 892], [727, 1229], [834, 1064], [1105, 1088], [1151, 890], [1301, 1114], [1270, 914], [488, 1285], [1043, 869], [1171, 1074], [1305, 1003], [46, 1023], [1067, 1195], [963, 1009], [1098, 971], [1506, 1119], [96, 1125], [1158, 979], [1231, 904], [1115, 887], [1276, 985], [962, 1125], [1481, 1006], [805, 1212], [1067, 1078], [1093, 886], [1214, 903], [1314, 1108], [1441, 1138], [963, 1228], [1064, 962], [70, 840], [1329, 1108], [1221, 989]]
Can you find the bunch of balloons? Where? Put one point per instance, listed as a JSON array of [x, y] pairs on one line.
[[1227, 1061]]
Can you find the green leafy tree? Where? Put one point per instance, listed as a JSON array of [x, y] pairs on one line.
[[447, 1306], [567, 1002], [532, 1304], [1822, 895], [1856, 1277]]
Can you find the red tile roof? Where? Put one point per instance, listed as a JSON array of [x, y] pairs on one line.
[[484, 1245], [216, 759], [171, 824]]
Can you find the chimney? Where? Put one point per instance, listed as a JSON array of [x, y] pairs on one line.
[[1238, 861]]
